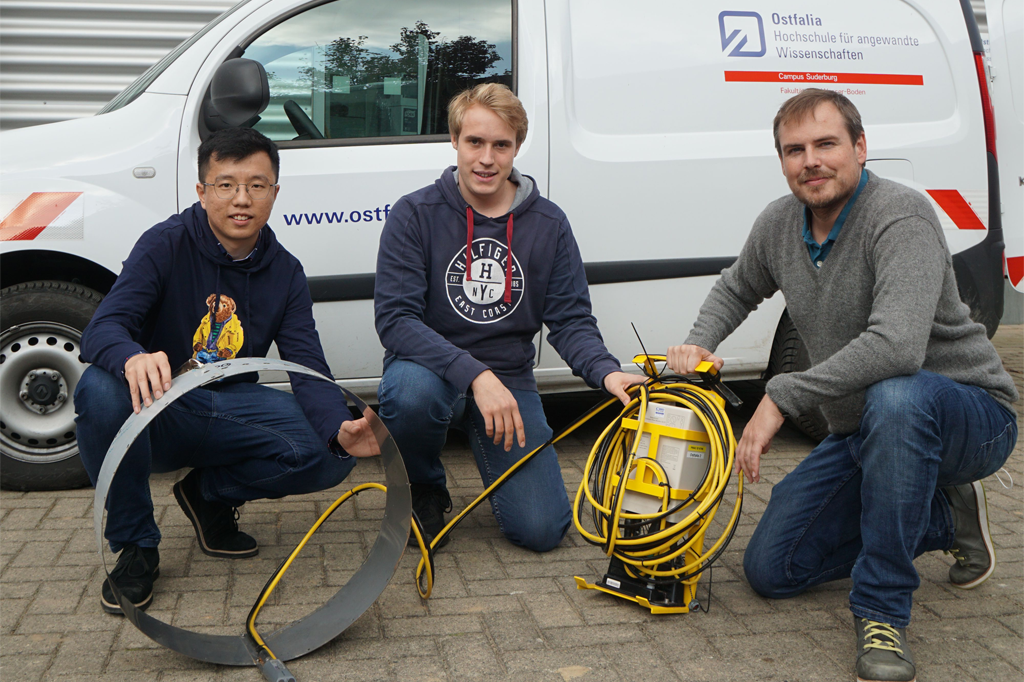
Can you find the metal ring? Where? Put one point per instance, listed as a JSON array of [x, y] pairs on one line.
[[330, 620]]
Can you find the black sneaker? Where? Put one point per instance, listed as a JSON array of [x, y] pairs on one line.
[[216, 523], [882, 653], [430, 502], [972, 542], [136, 569]]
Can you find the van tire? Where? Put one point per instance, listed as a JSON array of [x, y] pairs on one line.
[[41, 326], [790, 355]]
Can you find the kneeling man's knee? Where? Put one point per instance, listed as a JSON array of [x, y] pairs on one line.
[[539, 536], [899, 398], [102, 395], [763, 569], [407, 389]]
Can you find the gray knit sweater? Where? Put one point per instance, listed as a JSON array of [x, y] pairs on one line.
[[883, 304]]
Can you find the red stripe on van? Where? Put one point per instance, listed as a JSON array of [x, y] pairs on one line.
[[1015, 269], [34, 215], [957, 208], [822, 77]]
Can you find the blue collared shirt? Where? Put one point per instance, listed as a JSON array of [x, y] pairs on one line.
[[819, 252], [259, 236]]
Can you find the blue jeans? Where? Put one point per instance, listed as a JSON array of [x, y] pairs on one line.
[[864, 505], [249, 442], [418, 407]]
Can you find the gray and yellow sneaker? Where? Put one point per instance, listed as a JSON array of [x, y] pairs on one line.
[[882, 653], [972, 542]]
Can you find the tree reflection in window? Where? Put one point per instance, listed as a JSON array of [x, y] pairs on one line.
[[350, 89]]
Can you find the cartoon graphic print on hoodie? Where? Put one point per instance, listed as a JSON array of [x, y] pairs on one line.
[[427, 310], [222, 339], [164, 287]]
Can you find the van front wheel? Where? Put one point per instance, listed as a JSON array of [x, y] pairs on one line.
[[790, 355], [40, 365]]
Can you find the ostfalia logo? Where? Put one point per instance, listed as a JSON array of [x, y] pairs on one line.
[[743, 32]]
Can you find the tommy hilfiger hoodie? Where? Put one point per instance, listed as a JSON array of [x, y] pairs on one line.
[[524, 270]]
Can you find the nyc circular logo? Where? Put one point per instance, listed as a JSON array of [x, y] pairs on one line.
[[482, 298]]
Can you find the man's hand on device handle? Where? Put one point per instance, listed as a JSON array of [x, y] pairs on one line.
[[148, 376], [499, 409], [683, 359]]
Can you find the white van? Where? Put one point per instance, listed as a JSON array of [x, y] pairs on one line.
[[650, 125]]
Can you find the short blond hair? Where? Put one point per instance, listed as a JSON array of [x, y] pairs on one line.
[[496, 97]]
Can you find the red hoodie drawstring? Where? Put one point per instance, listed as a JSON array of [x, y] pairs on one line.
[[508, 261], [469, 252], [469, 243]]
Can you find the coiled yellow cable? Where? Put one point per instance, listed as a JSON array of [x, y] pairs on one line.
[[661, 549]]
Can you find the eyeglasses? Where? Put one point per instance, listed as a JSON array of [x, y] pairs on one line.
[[226, 190]]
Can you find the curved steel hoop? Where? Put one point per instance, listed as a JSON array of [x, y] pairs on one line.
[[341, 610]]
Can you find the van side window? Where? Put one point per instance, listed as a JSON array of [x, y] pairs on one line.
[[354, 69]]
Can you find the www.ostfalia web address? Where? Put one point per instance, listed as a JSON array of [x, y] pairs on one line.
[[368, 215]]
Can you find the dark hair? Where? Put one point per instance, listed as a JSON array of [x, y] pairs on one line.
[[798, 106], [235, 144]]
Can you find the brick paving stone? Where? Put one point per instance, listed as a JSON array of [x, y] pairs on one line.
[[513, 631], [626, 612], [57, 598], [792, 622], [68, 623], [592, 635], [435, 625], [980, 606], [467, 605], [64, 574], [80, 656], [773, 657], [634, 661], [1009, 648], [16, 591], [346, 648], [551, 611], [11, 611], [23, 668], [482, 588], [30, 645], [522, 664], [469, 656], [989, 671], [314, 668], [420, 669]]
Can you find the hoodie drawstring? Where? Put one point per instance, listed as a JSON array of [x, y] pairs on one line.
[[248, 315], [216, 302], [469, 243], [508, 259]]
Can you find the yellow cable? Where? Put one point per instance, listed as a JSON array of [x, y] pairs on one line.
[[687, 532], [650, 553], [251, 622]]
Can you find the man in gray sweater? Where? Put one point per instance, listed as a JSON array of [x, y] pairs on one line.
[[918, 404]]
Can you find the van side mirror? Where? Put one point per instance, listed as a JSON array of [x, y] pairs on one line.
[[238, 93]]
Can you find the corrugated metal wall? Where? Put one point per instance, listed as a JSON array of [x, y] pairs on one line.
[[62, 59]]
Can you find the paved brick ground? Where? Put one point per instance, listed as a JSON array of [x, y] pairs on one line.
[[497, 612]]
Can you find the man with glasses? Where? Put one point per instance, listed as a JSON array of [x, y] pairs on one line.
[[208, 284]]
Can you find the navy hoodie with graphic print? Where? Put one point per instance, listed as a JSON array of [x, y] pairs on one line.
[[159, 303], [429, 312]]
